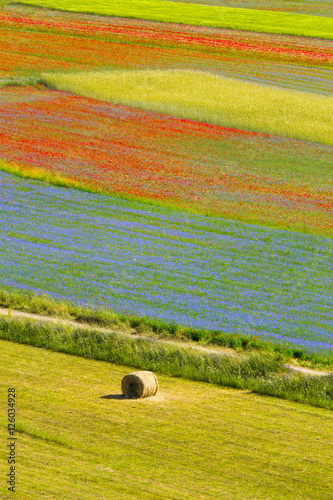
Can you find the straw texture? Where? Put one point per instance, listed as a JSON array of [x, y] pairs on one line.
[[139, 385]]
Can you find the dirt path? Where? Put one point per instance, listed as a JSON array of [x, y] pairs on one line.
[[131, 332], [309, 371]]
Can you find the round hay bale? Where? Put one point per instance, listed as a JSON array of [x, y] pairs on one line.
[[139, 385]]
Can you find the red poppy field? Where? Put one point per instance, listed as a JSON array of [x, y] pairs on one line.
[[206, 168], [34, 40], [231, 173]]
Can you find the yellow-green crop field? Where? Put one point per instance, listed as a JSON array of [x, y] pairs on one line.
[[209, 98], [200, 15], [78, 439]]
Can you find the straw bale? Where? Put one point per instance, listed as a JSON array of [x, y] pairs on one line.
[[139, 385]]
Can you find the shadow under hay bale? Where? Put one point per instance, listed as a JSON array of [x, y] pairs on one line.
[[139, 385]]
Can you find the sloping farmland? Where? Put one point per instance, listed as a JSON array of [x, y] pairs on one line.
[[209, 169]]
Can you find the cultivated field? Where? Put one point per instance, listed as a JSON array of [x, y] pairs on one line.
[[78, 439], [175, 162], [277, 189], [209, 98], [35, 40], [322, 8], [254, 178], [201, 15], [166, 176], [267, 180], [148, 261]]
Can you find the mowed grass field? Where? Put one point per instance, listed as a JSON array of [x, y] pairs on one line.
[[78, 439]]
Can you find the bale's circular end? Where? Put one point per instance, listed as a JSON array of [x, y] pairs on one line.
[[139, 385]]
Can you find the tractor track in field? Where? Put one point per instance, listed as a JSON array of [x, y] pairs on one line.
[[131, 332]]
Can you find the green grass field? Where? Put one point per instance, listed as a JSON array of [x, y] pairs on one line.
[[78, 439], [200, 15], [313, 7], [209, 98]]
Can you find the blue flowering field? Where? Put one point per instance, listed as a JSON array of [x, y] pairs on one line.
[[149, 261]]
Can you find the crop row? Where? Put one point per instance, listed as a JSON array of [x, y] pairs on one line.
[[211, 169], [147, 261], [34, 41], [209, 98], [200, 15]]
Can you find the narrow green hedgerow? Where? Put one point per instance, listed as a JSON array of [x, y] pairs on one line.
[[143, 353], [300, 388], [260, 372], [263, 21], [44, 305]]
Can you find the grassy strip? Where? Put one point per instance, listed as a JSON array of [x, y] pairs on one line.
[[316, 391], [44, 305], [141, 353], [256, 371], [44, 175], [20, 81], [200, 15], [206, 97]]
